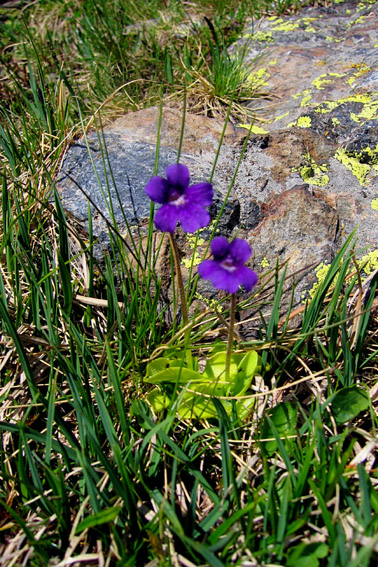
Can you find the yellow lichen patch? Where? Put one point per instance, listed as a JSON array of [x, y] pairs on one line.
[[357, 21], [282, 116], [265, 263], [257, 79], [320, 81], [359, 170], [254, 129], [335, 121], [321, 272], [305, 100], [281, 25], [334, 39], [362, 69], [368, 112], [212, 303], [374, 204], [261, 37], [325, 79], [195, 260], [304, 122], [312, 173], [369, 262]]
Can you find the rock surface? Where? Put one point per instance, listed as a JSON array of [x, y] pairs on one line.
[[309, 174]]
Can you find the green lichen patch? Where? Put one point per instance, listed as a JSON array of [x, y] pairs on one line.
[[374, 204]]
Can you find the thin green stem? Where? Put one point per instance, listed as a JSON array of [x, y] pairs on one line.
[[230, 335], [180, 285]]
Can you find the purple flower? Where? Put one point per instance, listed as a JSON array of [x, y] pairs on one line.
[[181, 203], [227, 270]]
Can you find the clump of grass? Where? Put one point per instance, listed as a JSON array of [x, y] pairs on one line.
[[88, 473]]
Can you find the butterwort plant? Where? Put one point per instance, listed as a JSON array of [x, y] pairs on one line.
[[180, 203], [227, 271], [223, 375]]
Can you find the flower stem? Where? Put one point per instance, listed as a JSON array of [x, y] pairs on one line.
[[230, 335], [180, 285]]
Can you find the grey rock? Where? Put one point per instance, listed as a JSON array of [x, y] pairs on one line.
[[303, 185]]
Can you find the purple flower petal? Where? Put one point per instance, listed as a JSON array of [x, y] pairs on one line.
[[247, 277], [166, 218], [221, 279], [227, 270], [206, 268], [180, 202], [200, 194], [158, 189], [219, 247], [178, 175], [192, 217], [240, 250]]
